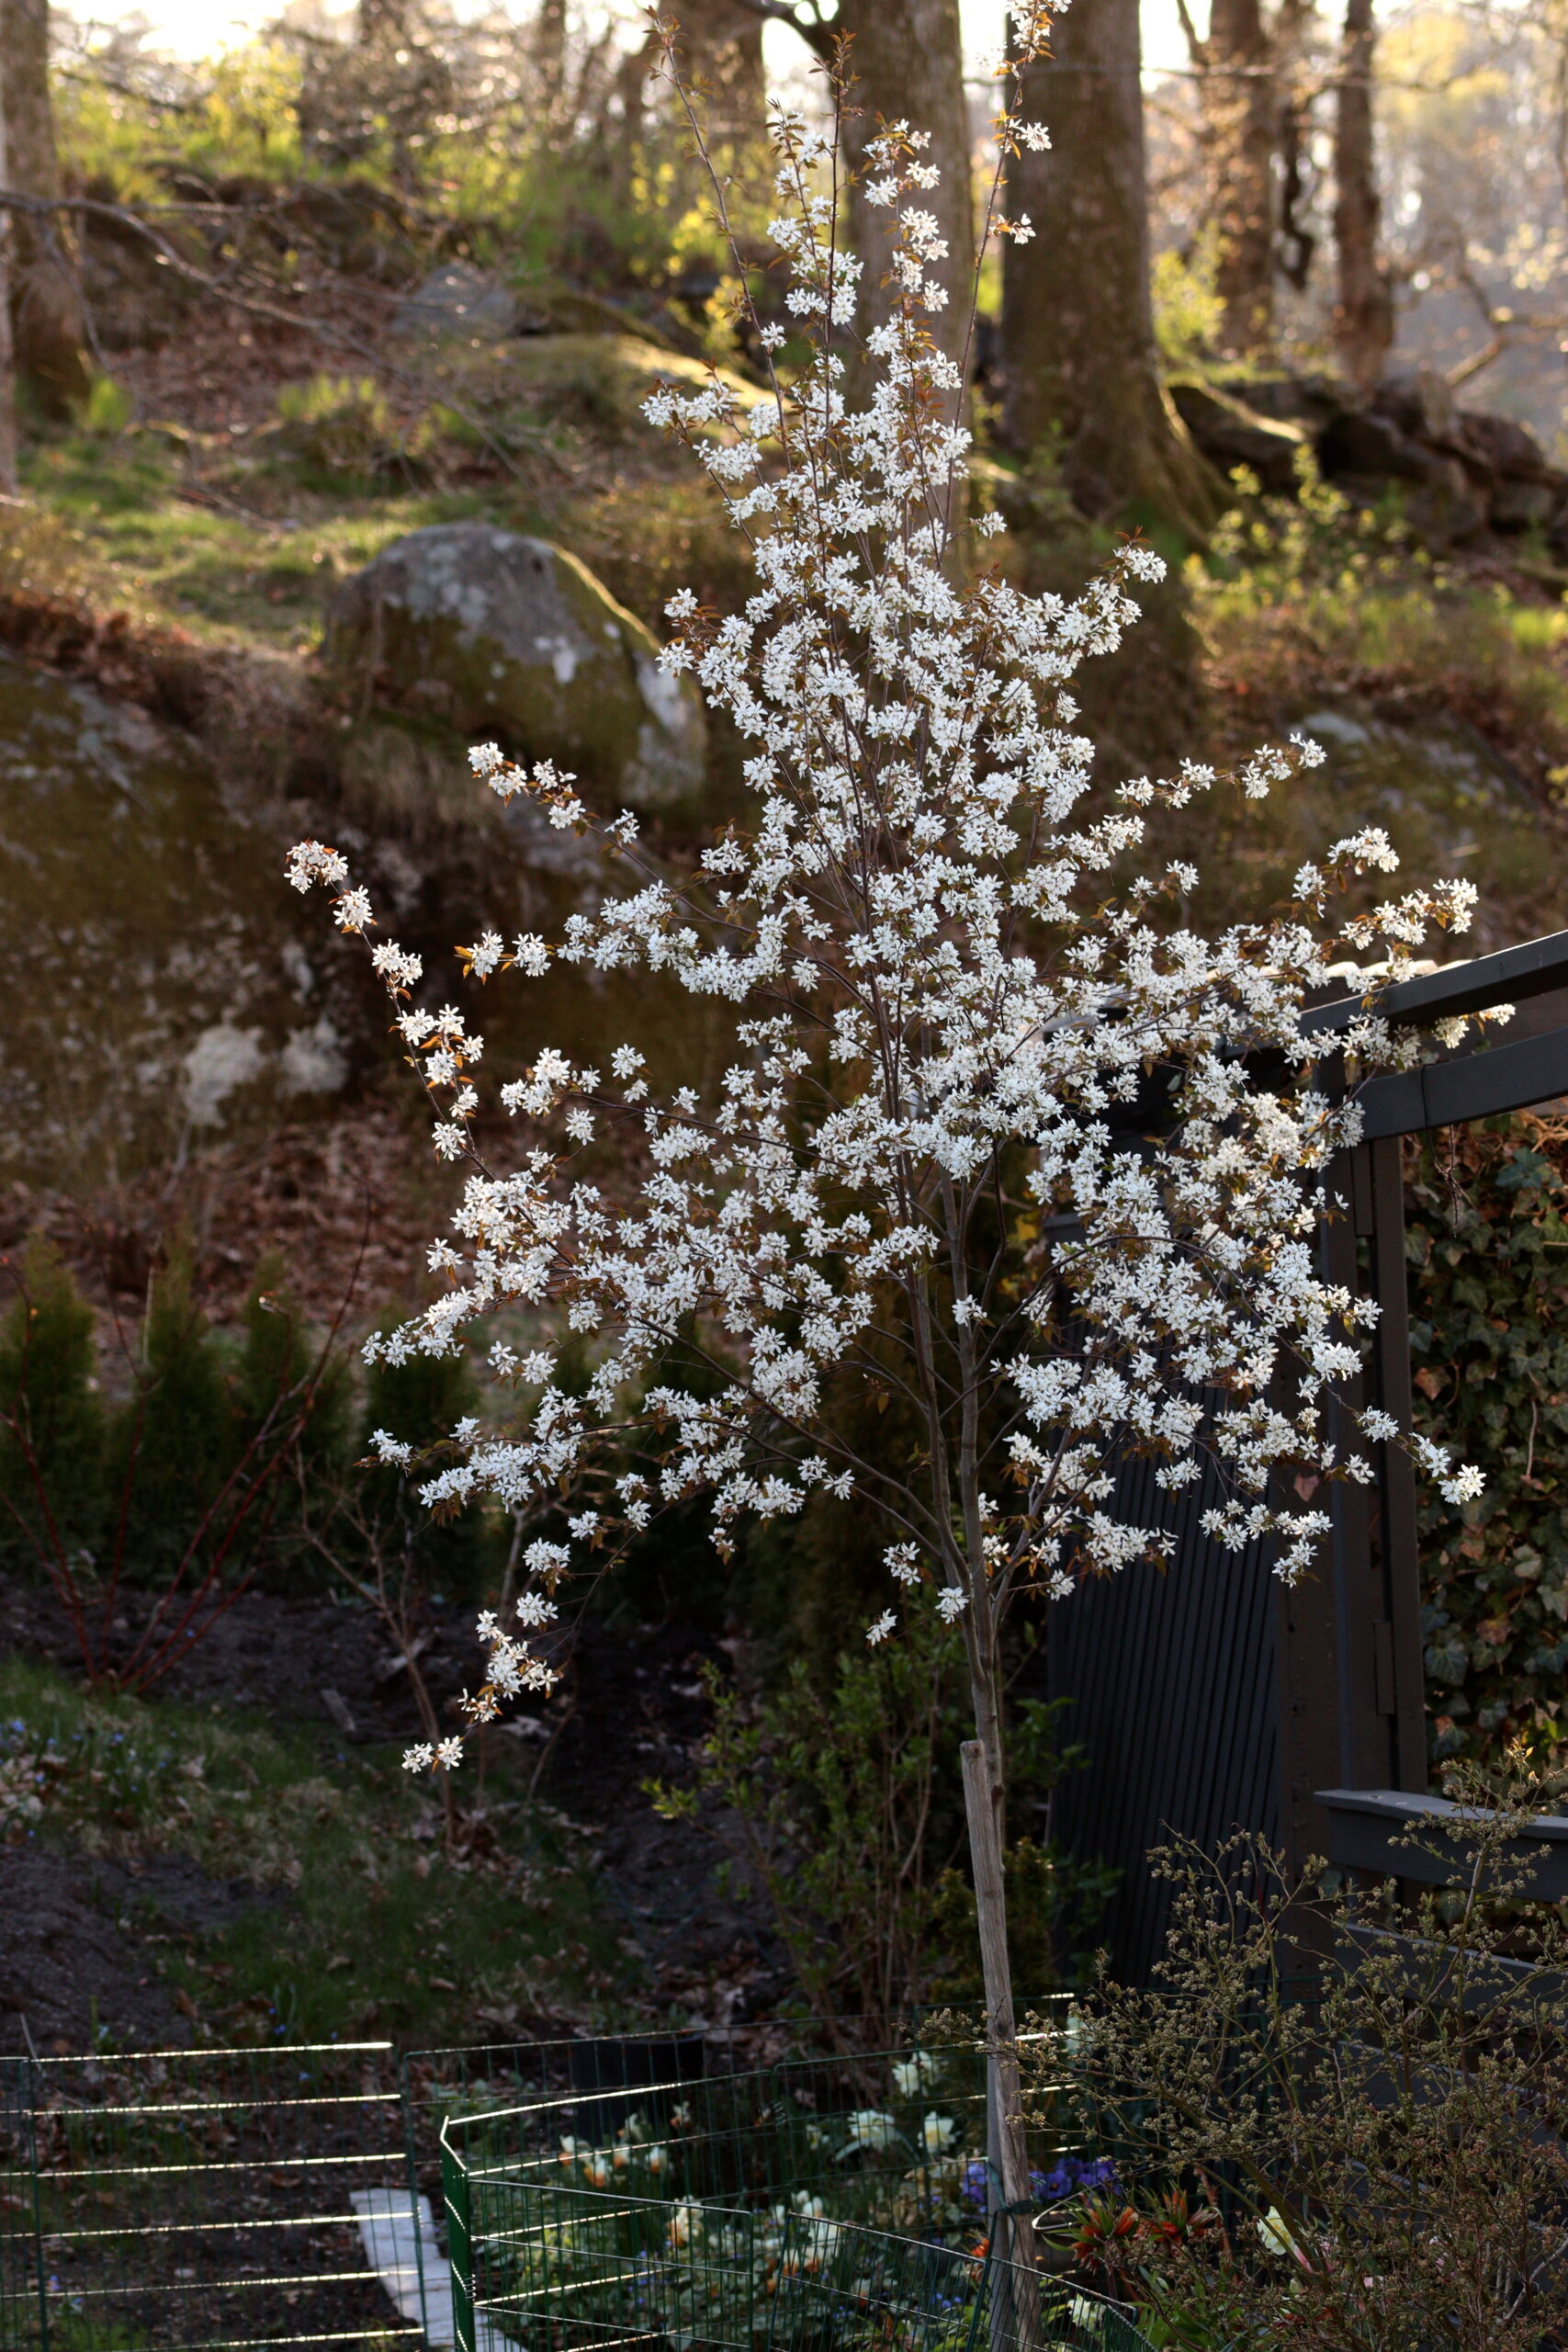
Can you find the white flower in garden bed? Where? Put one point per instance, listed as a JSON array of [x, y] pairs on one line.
[[870, 2130], [915, 2073], [685, 2224]]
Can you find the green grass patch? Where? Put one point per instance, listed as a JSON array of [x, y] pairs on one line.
[[364, 1922], [229, 553]]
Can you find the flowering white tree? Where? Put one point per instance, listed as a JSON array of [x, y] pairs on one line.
[[911, 1174]]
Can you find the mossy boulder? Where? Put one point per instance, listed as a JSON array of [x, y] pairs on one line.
[[513, 640], [161, 980]]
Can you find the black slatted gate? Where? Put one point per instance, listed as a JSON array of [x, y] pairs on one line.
[[1174, 1679]]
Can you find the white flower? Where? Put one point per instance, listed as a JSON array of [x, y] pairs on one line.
[[351, 911], [389, 959], [1276, 2237], [870, 2130], [914, 2074], [903, 1560], [685, 2224], [879, 1630], [938, 2133], [309, 863]]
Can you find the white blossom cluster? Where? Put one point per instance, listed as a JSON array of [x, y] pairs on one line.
[[1000, 1135]]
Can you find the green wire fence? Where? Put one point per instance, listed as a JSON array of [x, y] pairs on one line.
[[198, 2200], [548, 2270], [828, 2201], [226, 2200]]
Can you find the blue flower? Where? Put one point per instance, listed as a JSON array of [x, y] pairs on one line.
[[1072, 2175]]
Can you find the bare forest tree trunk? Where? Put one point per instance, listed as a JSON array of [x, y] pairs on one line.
[[1295, 87], [625, 139], [7, 348], [1078, 323], [719, 53], [46, 298], [907, 57], [1363, 317], [548, 45], [380, 23], [1239, 96]]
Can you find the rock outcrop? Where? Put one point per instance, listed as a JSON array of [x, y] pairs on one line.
[[1462, 473], [457, 303], [512, 638], [158, 981]]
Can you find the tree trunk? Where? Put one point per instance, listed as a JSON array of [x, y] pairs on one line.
[[625, 137], [1006, 2151], [548, 51], [382, 23], [1078, 323], [7, 352], [719, 51], [1363, 317], [907, 57], [1238, 99], [46, 297]]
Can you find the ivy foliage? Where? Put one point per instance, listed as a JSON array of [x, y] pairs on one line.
[[1487, 1241]]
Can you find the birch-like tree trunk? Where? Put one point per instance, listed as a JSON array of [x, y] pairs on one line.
[[1077, 320], [1363, 317], [46, 296]]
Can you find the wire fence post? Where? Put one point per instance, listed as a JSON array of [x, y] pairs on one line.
[[457, 2197], [24, 2281], [411, 2160]]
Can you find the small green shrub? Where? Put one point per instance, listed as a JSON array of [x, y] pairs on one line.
[[1187, 309], [838, 1799], [108, 407], [1340, 2120], [51, 1417], [173, 1443], [420, 1403], [190, 1485], [1269, 548]]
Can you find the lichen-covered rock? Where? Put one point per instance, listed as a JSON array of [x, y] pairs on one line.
[[509, 638]]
